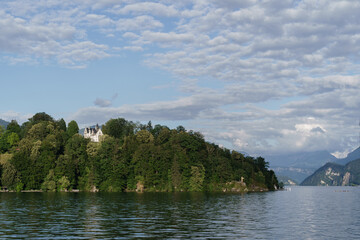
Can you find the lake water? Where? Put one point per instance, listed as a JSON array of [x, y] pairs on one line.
[[302, 213]]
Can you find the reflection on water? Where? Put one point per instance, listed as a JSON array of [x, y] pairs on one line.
[[303, 213]]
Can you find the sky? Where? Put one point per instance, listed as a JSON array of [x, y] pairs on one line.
[[260, 76]]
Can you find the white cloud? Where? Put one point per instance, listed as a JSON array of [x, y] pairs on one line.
[[133, 48], [98, 20], [153, 8], [138, 23], [168, 38], [19, 117], [36, 37], [302, 56], [77, 52]]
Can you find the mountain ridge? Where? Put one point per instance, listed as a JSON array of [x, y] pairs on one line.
[[299, 166], [3, 123], [334, 174], [350, 157]]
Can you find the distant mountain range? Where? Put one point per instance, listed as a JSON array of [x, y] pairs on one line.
[[287, 181], [333, 174], [299, 166], [3, 123]]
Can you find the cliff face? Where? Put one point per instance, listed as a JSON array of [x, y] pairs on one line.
[[332, 174]]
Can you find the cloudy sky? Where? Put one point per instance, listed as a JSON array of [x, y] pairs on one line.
[[261, 76]]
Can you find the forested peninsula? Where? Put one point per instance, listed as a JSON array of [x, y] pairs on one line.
[[48, 155]]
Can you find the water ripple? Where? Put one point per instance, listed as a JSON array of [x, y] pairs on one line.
[[303, 213]]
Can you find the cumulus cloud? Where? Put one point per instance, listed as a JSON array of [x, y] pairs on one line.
[[286, 72], [138, 23], [49, 35], [157, 9]]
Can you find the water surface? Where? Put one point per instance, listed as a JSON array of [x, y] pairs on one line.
[[302, 213]]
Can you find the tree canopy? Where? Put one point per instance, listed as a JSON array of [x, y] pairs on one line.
[[44, 154], [72, 129]]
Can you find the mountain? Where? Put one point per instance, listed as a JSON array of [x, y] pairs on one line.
[[302, 159], [298, 166], [333, 174], [3, 123], [350, 157], [297, 174], [287, 181]]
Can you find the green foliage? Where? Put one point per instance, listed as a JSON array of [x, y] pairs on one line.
[[13, 139], [38, 131], [50, 182], [63, 184], [62, 124], [45, 154], [180, 129], [13, 127], [9, 174], [175, 176], [19, 186], [144, 136], [118, 128], [4, 144], [41, 117], [2, 130], [197, 178], [72, 129]]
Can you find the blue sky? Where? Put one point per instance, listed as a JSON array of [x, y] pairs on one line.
[[259, 76]]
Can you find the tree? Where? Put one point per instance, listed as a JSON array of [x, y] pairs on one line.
[[4, 144], [37, 131], [180, 129], [261, 164], [41, 117], [144, 136], [197, 178], [175, 174], [62, 124], [43, 155], [162, 136], [49, 183], [63, 183], [75, 158], [72, 129], [1, 130], [9, 174], [118, 128], [149, 126], [13, 139], [13, 127]]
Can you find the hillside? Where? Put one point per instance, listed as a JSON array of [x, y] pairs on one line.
[[3, 123], [333, 174]]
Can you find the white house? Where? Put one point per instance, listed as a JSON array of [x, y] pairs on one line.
[[93, 133]]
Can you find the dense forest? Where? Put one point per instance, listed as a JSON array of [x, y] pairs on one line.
[[47, 154]]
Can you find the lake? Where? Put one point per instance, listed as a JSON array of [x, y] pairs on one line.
[[298, 213]]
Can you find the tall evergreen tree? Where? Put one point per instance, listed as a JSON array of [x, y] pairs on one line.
[[72, 129]]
